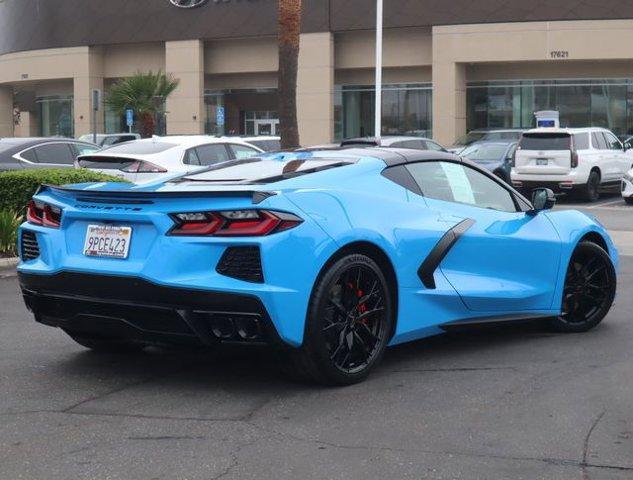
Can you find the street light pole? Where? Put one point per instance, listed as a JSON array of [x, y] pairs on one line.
[[378, 106]]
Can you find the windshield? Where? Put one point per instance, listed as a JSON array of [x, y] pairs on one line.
[[258, 171], [485, 152], [469, 138], [546, 141]]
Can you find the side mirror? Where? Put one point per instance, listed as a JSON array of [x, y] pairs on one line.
[[542, 199]]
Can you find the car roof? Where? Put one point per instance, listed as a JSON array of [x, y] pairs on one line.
[[566, 130], [392, 156], [30, 141], [384, 140]]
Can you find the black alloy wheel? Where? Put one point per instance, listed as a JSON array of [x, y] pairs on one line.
[[589, 290], [349, 323]]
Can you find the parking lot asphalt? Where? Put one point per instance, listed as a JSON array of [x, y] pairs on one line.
[[517, 402]]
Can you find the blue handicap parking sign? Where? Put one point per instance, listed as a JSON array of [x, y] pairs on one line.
[[129, 117], [219, 116]]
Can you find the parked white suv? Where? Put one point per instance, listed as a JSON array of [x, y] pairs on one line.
[[579, 160]]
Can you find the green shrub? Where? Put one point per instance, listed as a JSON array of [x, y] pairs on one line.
[[17, 187], [9, 223]]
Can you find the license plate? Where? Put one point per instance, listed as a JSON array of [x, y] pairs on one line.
[[541, 161], [107, 241]]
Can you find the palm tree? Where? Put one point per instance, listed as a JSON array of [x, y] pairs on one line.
[[145, 93], [289, 17]]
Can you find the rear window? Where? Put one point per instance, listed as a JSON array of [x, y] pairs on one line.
[[502, 136], [469, 138], [258, 171], [545, 141], [485, 152], [267, 145], [105, 163], [141, 148]]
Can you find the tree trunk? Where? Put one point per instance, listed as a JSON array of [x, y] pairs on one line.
[[289, 29], [148, 125]]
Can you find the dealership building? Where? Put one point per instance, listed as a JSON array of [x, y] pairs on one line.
[[449, 66]]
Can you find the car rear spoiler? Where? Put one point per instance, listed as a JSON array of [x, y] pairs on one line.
[[122, 196]]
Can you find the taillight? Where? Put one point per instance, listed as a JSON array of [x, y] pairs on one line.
[[143, 167], [574, 159], [233, 223], [43, 214]]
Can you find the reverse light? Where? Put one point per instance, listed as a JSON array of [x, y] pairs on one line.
[[233, 223], [38, 213]]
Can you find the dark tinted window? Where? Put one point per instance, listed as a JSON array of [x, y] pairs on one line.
[[485, 152], [502, 136], [105, 163], [267, 145], [469, 138], [434, 146], [85, 149], [581, 141], [598, 141], [59, 153], [29, 155], [242, 151], [453, 182], [191, 157], [120, 139], [212, 154], [416, 144], [141, 148], [545, 141], [612, 142]]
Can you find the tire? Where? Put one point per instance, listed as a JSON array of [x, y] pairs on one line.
[[589, 291], [349, 322], [628, 200], [105, 345], [590, 191]]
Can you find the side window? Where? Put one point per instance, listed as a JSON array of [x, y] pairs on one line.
[[415, 144], [212, 154], [29, 155], [56, 153], [453, 182], [433, 146], [242, 151], [191, 157], [612, 142], [85, 149], [581, 141], [597, 139]]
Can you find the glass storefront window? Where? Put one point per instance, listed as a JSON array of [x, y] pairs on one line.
[[406, 110], [245, 112], [56, 116], [604, 103]]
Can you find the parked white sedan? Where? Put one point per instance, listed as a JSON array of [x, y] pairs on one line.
[[146, 160]]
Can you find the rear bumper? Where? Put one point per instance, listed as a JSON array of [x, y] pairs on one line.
[[134, 309], [557, 187]]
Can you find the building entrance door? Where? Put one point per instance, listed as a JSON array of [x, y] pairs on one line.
[[267, 127]]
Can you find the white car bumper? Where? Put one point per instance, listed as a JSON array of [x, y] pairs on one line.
[[627, 187]]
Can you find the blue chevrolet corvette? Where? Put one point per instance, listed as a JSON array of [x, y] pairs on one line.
[[330, 256]]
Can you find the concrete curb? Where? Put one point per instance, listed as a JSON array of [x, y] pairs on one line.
[[7, 263]]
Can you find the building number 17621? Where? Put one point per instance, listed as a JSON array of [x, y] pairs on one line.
[[559, 54]]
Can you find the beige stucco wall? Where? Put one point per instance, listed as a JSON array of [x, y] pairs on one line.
[[185, 107], [315, 88], [6, 112], [241, 55], [125, 60], [402, 47]]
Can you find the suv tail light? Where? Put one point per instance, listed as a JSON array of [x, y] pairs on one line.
[[574, 159], [143, 167], [38, 213], [233, 223]]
